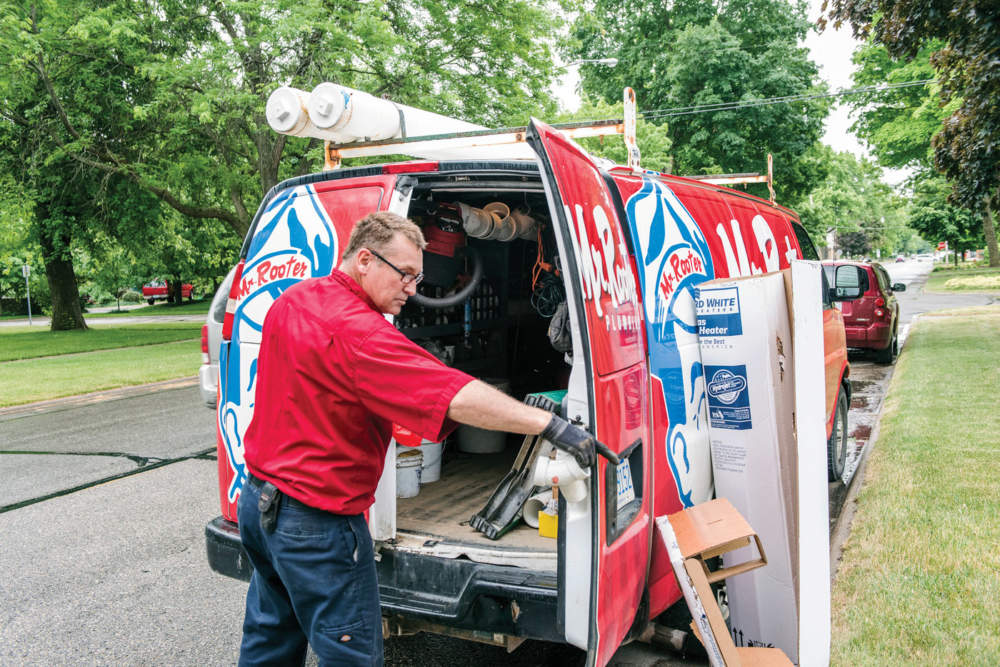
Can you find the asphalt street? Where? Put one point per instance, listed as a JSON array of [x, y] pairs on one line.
[[102, 512]]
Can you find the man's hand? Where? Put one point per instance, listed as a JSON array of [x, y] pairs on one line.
[[577, 442]]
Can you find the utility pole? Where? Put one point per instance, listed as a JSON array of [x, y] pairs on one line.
[[26, 271]]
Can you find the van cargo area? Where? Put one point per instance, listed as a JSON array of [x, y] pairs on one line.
[[499, 334]]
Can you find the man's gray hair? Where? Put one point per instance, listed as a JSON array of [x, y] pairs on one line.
[[375, 231]]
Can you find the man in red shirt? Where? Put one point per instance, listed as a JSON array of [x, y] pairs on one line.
[[333, 375]]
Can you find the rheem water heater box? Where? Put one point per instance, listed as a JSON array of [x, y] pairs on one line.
[[746, 337]]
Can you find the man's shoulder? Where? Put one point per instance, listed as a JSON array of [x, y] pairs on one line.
[[328, 301]]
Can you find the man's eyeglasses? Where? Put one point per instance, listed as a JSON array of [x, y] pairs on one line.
[[405, 277]]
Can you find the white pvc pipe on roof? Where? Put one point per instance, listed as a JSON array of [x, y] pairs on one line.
[[343, 115]]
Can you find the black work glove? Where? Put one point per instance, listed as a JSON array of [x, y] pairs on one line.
[[576, 442]]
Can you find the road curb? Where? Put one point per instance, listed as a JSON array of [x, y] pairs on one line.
[[96, 397]]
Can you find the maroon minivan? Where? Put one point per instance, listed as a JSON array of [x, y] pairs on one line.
[[865, 296]]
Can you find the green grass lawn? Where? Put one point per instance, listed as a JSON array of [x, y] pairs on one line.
[[199, 307], [919, 583], [977, 279], [29, 342], [32, 380]]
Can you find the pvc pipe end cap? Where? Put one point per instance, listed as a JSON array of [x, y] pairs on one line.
[[284, 109], [327, 103]]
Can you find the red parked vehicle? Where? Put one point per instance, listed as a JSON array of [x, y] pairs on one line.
[[865, 295], [160, 289], [619, 252]]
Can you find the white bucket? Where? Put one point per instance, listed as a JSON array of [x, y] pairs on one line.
[[408, 465], [431, 469]]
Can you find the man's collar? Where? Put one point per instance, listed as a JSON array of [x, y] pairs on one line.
[[351, 284]]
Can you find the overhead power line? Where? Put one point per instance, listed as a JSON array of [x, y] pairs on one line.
[[747, 104]]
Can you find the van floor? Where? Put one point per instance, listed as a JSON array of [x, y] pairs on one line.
[[443, 508]]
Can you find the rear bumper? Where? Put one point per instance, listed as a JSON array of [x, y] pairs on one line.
[[208, 378], [875, 336], [225, 551], [464, 595], [445, 592]]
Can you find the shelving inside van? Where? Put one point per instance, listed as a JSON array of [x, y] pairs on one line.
[[499, 334]]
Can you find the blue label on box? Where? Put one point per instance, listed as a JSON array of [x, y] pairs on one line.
[[718, 311], [728, 397]]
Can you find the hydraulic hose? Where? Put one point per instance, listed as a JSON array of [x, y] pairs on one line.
[[460, 296]]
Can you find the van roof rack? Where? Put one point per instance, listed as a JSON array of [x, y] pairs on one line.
[[474, 143], [737, 179]]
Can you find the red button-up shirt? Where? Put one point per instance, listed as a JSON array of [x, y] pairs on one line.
[[332, 376]]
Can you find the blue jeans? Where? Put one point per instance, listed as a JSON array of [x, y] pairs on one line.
[[314, 580]]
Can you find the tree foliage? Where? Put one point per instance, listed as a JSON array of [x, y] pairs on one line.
[[937, 219], [898, 124], [653, 140], [967, 148], [700, 52], [852, 200], [189, 80]]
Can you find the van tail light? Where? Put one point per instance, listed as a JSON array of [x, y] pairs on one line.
[[234, 292], [880, 302], [879, 312], [204, 345]]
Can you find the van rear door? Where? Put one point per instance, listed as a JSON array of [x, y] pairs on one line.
[[299, 232], [603, 545]]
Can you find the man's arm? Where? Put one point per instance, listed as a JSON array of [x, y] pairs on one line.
[[479, 404]]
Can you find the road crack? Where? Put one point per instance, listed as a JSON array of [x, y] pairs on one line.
[[144, 463]]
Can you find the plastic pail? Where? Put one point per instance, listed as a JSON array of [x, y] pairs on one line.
[[431, 468], [408, 465]]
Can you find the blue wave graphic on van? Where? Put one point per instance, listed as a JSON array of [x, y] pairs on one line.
[[674, 258], [295, 240]]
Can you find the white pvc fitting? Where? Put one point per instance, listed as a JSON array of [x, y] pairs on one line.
[[570, 477], [286, 110], [353, 115], [534, 505]]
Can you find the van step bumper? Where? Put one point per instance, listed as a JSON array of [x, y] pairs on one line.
[[225, 551], [463, 594]]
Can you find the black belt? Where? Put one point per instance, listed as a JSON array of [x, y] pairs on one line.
[[286, 499]]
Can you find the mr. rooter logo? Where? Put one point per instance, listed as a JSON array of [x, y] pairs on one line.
[[295, 240]]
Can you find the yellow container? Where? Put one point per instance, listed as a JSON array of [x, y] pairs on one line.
[[548, 524]]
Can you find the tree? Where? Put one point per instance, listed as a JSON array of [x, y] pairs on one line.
[[738, 51], [114, 269], [967, 148], [852, 200], [653, 140], [194, 77], [939, 220], [898, 124]]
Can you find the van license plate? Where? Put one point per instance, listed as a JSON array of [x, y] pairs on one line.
[[626, 492]]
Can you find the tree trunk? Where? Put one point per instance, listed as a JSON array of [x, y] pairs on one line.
[[175, 294], [990, 232], [59, 273]]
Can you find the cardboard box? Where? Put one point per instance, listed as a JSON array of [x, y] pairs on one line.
[[756, 378]]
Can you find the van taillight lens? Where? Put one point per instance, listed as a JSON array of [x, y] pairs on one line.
[[234, 291], [879, 312], [204, 344], [879, 302]]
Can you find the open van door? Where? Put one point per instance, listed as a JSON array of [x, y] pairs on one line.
[[604, 541]]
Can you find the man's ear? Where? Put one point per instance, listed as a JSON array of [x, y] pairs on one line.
[[363, 260]]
